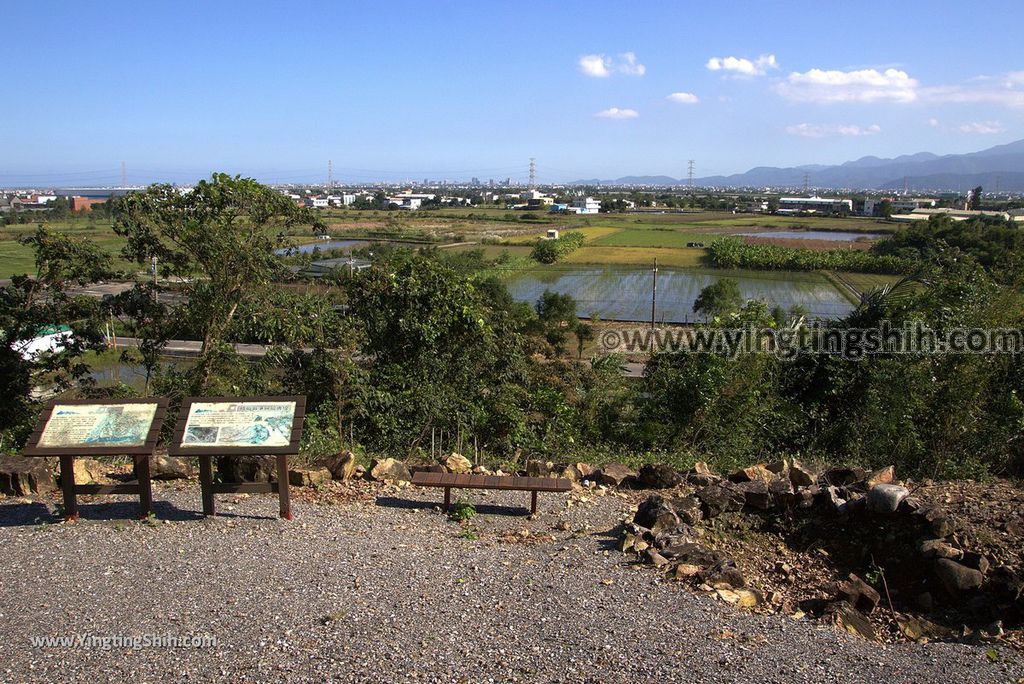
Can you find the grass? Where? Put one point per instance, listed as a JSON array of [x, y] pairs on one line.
[[652, 237], [865, 282], [637, 256]]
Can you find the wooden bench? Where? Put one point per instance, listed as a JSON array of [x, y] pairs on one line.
[[508, 482]]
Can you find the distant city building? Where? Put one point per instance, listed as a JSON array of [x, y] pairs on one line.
[[815, 205], [317, 202]]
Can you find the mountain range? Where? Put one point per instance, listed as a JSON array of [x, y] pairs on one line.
[[999, 167]]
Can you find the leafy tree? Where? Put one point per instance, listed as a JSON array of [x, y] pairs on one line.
[[219, 238], [720, 298], [976, 198]]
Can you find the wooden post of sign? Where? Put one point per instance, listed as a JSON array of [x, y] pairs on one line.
[[145, 486], [67, 485], [282, 487], [206, 484]]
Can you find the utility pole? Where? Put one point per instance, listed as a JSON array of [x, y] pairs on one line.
[[654, 295], [533, 174]]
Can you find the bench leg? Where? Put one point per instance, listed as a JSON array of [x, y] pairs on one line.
[[533, 502], [447, 498], [206, 484], [145, 486], [282, 487], [67, 485]]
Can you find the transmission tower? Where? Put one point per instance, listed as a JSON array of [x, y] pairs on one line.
[[807, 181], [689, 173], [330, 175], [533, 174], [124, 175]]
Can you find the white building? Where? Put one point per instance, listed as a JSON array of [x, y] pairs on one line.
[[317, 202], [814, 205], [586, 205], [342, 200]]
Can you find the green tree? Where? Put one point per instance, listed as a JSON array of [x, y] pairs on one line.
[[976, 198], [720, 298], [219, 238]]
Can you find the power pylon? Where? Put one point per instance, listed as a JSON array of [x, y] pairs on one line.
[[689, 173], [533, 174]]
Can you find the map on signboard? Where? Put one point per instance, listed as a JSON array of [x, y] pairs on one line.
[[97, 425], [239, 424]]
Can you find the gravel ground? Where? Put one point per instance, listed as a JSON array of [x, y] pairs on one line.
[[381, 588]]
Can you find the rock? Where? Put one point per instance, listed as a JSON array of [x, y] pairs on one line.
[[88, 471], [884, 475], [701, 475], [535, 468], [584, 469], [26, 475], [779, 468], [748, 598], [858, 594], [856, 505], [481, 470], [782, 493], [919, 629], [686, 571], [924, 601], [654, 558], [688, 509], [973, 559], [828, 498], [657, 515], [843, 477], [342, 465], [720, 498], [302, 477], [692, 554], [389, 469], [846, 617], [755, 473], [933, 518], [886, 498], [571, 473], [247, 468], [800, 475], [163, 467], [937, 548], [723, 574], [659, 476], [956, 578], [756, 494], [613, 474], [425, 468], [456, 463]]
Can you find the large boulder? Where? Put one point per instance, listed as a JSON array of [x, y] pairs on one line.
[[783, 494], [858, 594], [886, 475], [659, 476], [846, 617], [723, 574], [886, 498], [247, 468], [163, 467], [938, 548], [535, 468], [24, 475], [956, 578], [688, 508], [457, 463], [843, 476], [614, 474], [754, 473], [89, 471], [341, 465], [389, 469], [720, 498], [701, 475]]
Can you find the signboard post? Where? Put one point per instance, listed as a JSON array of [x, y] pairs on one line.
[[240, 426], [87, 427]]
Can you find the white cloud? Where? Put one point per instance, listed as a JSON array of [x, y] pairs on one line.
[[630, 66], [934, 123], [741, 66], [1008, 91], [684, 98], [981, 127], [595, 65], [616, 113], [807, 130], [861, 85], [602, 66]]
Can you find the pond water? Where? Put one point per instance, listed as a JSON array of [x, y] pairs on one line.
[[324, 245], [625, 294], [831, 235]]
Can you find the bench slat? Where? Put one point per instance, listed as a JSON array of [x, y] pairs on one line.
[[504, 482]]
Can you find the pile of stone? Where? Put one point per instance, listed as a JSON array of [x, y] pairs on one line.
[[665, 533]]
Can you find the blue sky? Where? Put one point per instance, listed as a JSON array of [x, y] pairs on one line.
[[458, 89]]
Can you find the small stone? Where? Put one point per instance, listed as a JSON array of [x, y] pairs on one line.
[[846, 617], [882, 476], [858, 594], [309, 478], [654, 558], [800, 475], [937, 548], [754, 473]]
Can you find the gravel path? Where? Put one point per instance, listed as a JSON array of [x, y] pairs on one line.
[[385, 590]]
